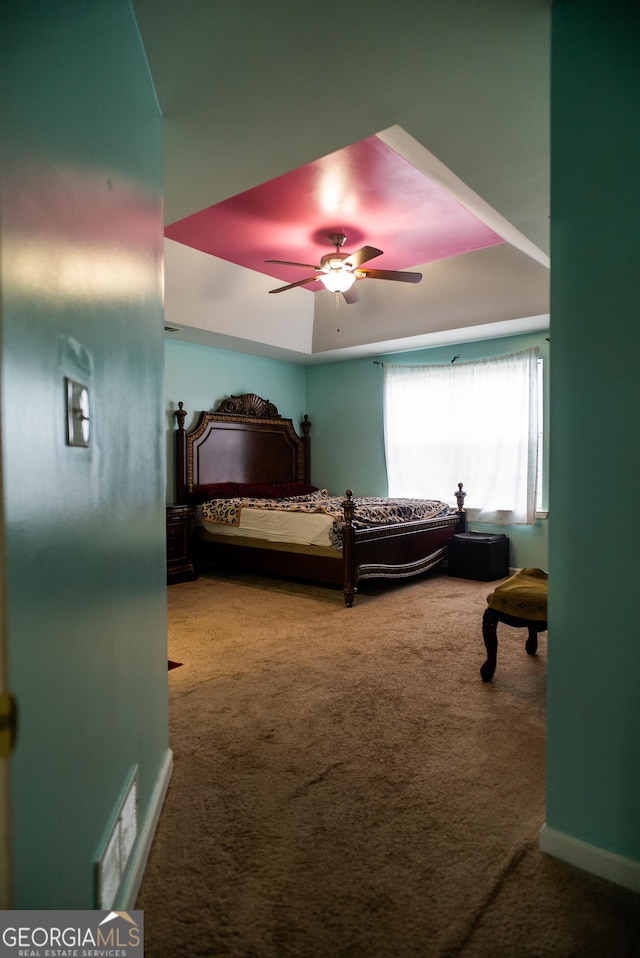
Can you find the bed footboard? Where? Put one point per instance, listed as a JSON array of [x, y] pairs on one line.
[[395, 551]]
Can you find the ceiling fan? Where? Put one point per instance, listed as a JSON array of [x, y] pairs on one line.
[[339, 271]]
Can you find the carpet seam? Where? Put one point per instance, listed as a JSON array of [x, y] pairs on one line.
[[453, 951], [317, 780]]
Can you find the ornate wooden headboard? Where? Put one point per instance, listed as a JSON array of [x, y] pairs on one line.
[[244, 440]]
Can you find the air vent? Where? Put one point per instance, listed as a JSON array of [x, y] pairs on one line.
[[114, 859]]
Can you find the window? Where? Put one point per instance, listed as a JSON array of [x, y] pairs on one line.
[[475, 423]]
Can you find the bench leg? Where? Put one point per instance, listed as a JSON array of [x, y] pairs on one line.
[[532, 641], [490, 636]]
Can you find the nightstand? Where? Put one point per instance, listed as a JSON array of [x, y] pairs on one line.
[[179, 557]]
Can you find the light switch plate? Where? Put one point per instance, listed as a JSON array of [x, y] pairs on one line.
[[77, 413]]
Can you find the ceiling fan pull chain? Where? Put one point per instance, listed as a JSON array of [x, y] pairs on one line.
[[337, 311]]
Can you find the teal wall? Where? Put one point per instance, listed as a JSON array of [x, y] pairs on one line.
[[81, 297], [200, 376], [345, 405], [594, 654]]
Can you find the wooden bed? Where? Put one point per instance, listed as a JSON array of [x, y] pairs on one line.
[[245, 440]]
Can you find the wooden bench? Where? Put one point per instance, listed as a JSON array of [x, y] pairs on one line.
[[521, 602]]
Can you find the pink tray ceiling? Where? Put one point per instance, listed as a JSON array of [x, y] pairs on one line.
[[367, 191]]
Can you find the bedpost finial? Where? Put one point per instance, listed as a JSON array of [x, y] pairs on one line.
[[460, 496], [180, 414], [348, 507]]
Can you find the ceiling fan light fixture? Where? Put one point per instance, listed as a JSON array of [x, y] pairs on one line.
[[339, 271], [338, 281]]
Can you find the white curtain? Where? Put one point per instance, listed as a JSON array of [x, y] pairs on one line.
[[475, 423]]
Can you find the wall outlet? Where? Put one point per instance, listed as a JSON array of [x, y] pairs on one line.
[[77, 413]]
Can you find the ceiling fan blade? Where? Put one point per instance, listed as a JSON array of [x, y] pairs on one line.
[[351, 295], [362, 255], [285, 262], [396, 275], [301, 282]]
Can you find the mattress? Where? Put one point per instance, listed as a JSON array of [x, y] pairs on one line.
[[304, 528]]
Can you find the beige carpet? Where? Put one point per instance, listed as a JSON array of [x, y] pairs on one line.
[[346, 785]]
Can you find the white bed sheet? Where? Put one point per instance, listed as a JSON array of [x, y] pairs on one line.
[[304, 528]]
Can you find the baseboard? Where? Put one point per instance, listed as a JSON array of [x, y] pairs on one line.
[[128, 892], [590, 858]]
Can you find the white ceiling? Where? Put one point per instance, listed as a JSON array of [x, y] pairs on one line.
[[253, 89]]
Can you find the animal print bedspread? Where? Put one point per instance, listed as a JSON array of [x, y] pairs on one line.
[[368, 510]]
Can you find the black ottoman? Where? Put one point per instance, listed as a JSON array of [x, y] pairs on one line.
[[476, 555]]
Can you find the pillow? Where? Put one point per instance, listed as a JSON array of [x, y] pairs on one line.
[[253, 490], [274, 490], [218, 490]]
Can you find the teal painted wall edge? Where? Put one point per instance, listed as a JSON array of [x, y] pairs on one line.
[[343, 401], [593, 771], [85, 539]]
